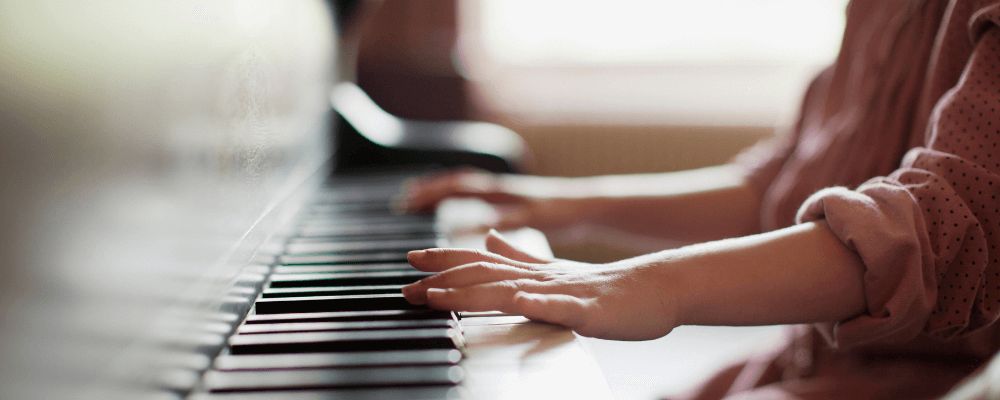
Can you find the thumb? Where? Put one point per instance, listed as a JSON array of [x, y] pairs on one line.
[[496, 243]]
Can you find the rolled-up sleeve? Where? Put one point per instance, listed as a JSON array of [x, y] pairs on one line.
[[929, 233]]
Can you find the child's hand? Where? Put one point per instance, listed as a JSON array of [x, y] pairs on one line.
[[611, 301], [541, 202]]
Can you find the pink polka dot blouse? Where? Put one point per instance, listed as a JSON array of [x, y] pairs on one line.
[[897, 147]]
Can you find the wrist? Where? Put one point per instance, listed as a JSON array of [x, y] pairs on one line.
[[666, 273]]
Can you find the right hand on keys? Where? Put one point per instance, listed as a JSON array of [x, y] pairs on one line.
[[540, 202], [627, 300]]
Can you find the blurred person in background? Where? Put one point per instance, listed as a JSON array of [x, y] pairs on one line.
[[876, 220]]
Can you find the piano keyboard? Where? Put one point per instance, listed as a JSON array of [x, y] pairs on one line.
[[331, 322]]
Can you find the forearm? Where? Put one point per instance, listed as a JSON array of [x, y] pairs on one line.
[[798, 274], [687, 206]]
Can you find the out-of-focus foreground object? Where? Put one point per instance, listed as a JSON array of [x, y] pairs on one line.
[[143, 144]]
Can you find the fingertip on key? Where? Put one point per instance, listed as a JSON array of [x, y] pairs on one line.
[[416, 256], [412, 293]]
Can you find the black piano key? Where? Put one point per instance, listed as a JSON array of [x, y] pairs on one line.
[[353, 209], [299, 269], [233, 381], [250, 329], [362, 238], [347, 279], [373, 229], [320, 342], [390, 393], [271, 293], [338, 360], [353, 219], [376, 315], [378, 175], [368, 194], [370, 258], [335, 247], [360, 302]]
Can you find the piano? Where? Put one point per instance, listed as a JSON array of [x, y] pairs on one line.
[[197, 204]]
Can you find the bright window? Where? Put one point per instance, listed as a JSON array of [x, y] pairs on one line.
[[665, 31], [734, 61]]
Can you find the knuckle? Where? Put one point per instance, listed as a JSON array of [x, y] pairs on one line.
[[482, 254], [511, 286], [543, 275], [523, 284], [484, 266]]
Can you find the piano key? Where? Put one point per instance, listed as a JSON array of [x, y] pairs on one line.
[[357, 246], [329, 268], [352, 219], [384, 175], [327, 210], [334, 220], [231, 381], [374, 229], [347, 279], [271, 293], [360, 302], [393, 256], [395, 393], [498, 320], [319, 342], [362, 238], [361, 221], [338, 360], [376, 315], [251, 329], [371, 194]]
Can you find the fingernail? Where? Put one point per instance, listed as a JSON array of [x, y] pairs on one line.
[[435, 292], [416, 255], [411, 293], [408, 290]]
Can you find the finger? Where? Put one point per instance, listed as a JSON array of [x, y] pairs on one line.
[[560, 309], [496, 243], [440, 259], [424, 193], [493, 296], [464, 275], [427, 194], [443, 174]]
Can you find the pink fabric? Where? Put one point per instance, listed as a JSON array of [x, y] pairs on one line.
[[896, 147]]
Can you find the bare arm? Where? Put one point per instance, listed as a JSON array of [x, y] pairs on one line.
[[686, 206], [794, 275]]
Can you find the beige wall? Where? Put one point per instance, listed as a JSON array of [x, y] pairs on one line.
[[577, 150]]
